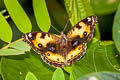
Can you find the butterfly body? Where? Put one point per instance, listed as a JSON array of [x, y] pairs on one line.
[[66, 49]]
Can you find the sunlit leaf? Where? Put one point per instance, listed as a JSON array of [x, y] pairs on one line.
[[41, 15], [15, 48], [20, 45], [58, 74], [30, 76], [18, 15], [5, 30], [8, 52]]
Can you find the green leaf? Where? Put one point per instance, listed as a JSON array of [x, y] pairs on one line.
[[98, 58], [68, 69], [78, 10], [20, 65], [30, 76], [20, 45], [97, 32], [8, 52], [18, 15], [104, 7], [41, 15], [15, 48], [101, 76], [58, 74], [116, 29], [71, 76], [5, 30], [105, 43]]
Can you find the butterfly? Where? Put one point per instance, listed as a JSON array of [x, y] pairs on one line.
[[63, 50]]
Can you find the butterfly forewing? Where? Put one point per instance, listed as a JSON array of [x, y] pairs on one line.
[[83, 30]]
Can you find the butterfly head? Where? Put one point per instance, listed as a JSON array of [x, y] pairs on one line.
[[63, 36]]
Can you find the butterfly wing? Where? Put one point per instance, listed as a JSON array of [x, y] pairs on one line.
[[45, 45], [83, 30], [78, 37], [75, 52]]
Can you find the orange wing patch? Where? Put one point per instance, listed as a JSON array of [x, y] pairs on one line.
[[55, 57], [43, 40], [81, 30], [75, 52]]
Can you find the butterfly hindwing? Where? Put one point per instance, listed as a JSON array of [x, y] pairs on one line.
[[83, 30], [75, 52], [53, 56]]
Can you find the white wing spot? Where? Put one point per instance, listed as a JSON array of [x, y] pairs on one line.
[[30, 35], [89, 19]]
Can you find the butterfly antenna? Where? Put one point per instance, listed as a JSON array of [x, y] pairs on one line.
[[65, 25], [55, 29]]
